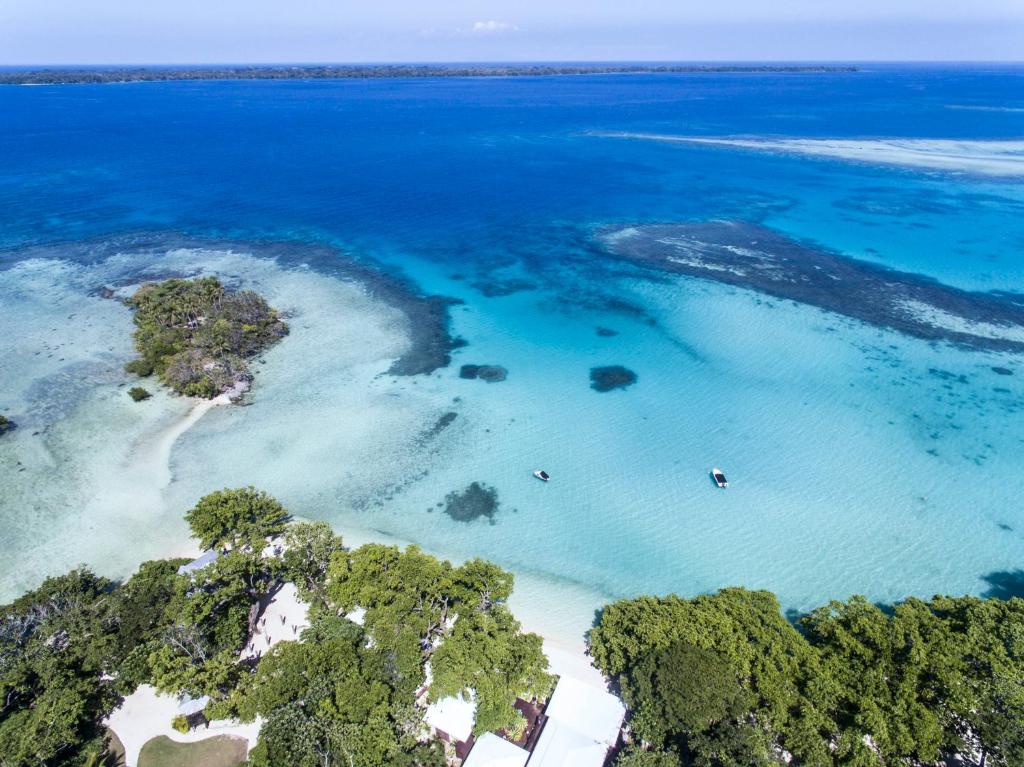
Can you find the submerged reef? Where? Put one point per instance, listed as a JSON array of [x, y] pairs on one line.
[[607, 332], [754, 257], [427, 319], [612, 377], [436, 429], [196, 335], [499, 288], [477, 500], [489, 373]]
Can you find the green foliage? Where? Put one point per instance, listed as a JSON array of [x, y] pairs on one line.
[[684, 688], [207, 626], [327, 701], [239, 519], [633, 756], [309, 547], [57, 644], [726, 681], [180, 723], [196, 335], [5, 424], [487, 652], [414, 601], [137, 393]]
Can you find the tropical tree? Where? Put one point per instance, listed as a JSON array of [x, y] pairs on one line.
[[309, 548], [242, 518]]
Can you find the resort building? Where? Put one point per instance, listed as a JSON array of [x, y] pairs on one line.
[[492, 751], [579, 727], [583, 725], [204, 559], [452, 719]]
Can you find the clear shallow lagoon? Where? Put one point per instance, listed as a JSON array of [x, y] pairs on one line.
[[860, 460]]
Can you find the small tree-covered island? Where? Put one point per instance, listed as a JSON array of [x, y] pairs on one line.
[[196, 335]]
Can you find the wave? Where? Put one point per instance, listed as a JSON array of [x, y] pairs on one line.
[[976, 157], [984, 108]]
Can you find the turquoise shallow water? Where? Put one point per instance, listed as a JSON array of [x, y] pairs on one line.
[[860, 460]]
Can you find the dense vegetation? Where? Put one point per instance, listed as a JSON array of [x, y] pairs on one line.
[[5, 424], [367, 71], [724, 680], [196, 335], [345, 694]]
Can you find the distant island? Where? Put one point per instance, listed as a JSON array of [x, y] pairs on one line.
[[61, 76]]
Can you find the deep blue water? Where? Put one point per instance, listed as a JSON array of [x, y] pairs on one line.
[[451, 179]]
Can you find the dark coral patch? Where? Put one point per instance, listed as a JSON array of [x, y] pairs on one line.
[[498, 288], [607, 332], [489, 373], [754, 257], [477, 500], [611, 377], [1002, 371]]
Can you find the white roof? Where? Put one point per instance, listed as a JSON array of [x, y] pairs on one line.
[[560, 745], [597, 714], [207, 558], [492, 751], [453, 716], [188, 706], [357, 616]]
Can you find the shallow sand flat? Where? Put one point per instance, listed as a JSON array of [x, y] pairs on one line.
[[87, 475], [1002, 159]]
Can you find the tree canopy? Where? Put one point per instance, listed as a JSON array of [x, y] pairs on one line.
[[242, 518], [421, 609], [724, 679], [338, 695]]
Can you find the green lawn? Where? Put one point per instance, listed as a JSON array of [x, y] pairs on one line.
[[219, 751]]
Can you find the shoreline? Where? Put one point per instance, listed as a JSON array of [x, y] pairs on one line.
[[534, 599]]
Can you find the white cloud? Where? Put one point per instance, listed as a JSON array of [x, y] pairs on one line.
[[491, 27]]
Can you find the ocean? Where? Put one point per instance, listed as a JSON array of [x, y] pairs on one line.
[[862, 458]]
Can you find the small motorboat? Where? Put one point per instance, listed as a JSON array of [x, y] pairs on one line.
[[719, 477], [542, 475]]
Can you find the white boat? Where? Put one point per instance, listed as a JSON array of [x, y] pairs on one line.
[[542, 475], [719, 477]]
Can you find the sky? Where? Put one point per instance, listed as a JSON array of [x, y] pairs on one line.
[[35, 32]]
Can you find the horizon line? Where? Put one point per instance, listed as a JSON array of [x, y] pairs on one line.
[[506, 62]]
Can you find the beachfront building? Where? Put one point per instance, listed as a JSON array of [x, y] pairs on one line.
[[204, 559], [578, 728], [583, 724], [452, 719], [491, 751]]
